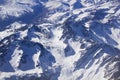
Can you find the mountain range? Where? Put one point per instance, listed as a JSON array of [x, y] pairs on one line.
[[59, 39]]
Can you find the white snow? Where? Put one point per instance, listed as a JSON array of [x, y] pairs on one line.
[[53, 4], [51, 34]]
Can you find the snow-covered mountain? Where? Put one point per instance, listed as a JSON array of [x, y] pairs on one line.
[[59, 40]]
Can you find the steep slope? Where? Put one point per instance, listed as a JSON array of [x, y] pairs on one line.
[[59, 39]]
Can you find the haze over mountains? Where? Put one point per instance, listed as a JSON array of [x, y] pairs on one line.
[[59, 40]]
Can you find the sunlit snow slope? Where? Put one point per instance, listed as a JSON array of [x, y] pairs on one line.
[[59, 39]]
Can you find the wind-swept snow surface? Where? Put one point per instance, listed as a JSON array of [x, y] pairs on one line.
[[59, 40]]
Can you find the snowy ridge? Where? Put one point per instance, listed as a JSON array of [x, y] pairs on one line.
[[59, 40]]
